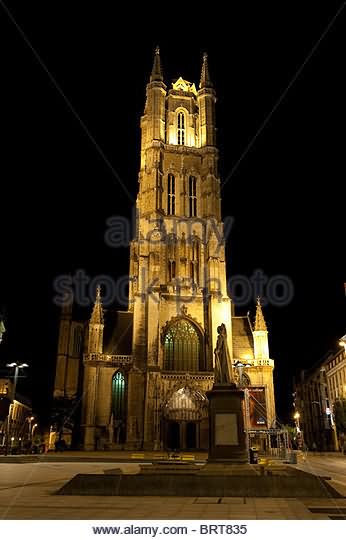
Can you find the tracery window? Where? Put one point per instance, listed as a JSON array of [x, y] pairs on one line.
[[182, 347]]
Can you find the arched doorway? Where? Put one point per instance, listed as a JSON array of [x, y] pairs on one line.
[[185, 420], [173, 436], [191, 435]]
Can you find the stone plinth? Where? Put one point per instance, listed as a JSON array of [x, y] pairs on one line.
[[212, 481], [227, 440]]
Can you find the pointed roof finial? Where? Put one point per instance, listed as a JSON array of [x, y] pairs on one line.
[[97, 314], [205, 77], [98, 293], [156, 73], [260, 323]]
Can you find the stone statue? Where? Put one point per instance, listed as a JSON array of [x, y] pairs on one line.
[[223, 363]]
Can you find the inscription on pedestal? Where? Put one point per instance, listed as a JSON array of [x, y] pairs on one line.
[[226, 429]]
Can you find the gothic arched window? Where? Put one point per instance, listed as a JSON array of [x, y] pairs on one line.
[[181, 128], [182, 347], [118, 396], [192, 196], [171, 195]]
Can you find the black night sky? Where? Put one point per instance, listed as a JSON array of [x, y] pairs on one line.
[[286, 192]]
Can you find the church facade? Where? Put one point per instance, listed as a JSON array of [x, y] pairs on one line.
[[142, 374]]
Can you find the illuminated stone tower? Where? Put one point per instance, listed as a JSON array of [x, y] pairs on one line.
[[147, 370], [178, 280]]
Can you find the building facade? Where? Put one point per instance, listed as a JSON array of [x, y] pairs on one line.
[[320, 400], [15, 419], [335, 368], [145, 371], [313, 409]]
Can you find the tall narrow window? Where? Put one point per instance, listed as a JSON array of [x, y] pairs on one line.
[[171, 255], [192, 196], [181, 128], [171, 195], [118, 397]]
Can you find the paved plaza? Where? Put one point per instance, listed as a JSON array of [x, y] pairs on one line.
[[27, 491]]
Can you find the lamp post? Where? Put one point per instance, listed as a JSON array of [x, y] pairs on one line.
[[30, 419], [320, 425], [299, 437], [32, 431], [239, 365], [16, 367]]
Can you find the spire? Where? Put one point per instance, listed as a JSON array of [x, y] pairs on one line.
[[260, 323], [156, 73], [97, 314], [205, 77]]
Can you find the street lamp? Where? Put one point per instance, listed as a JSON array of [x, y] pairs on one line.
[[318, 426], [30, 419], [16, 367], [240, 366]]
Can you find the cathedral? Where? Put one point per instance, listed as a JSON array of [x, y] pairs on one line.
[[141, 375]]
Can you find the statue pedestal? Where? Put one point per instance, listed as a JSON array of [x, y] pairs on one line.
[[227, 439]]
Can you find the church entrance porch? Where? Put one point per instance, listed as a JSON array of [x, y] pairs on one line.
[[191, 435], [182, 436], [173, 436], [185, 420]]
